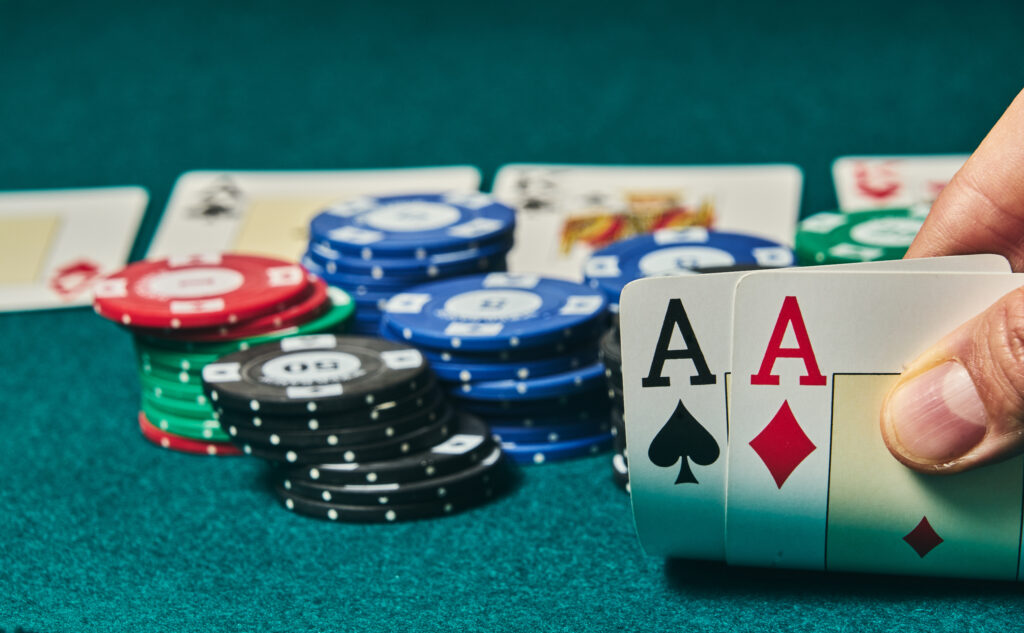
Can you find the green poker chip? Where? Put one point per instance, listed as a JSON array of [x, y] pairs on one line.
[[167, 374], [178, 406], [161, 388], [193, 428], [833, 237], [174, 351]]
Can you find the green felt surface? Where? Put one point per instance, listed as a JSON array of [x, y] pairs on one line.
[[100, 531]]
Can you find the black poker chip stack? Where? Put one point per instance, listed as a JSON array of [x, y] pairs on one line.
[[357, 428], [611, 356]]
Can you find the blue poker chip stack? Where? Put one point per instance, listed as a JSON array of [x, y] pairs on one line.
[[520, 351], [672, 252], [376, 247]]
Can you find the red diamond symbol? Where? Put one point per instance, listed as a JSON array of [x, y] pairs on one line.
[[782, 445], [923, 538]]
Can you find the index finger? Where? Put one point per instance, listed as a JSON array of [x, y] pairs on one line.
[[982, 209]]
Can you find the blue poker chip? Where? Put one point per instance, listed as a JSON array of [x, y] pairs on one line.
[[415, 226], [439, 265], [463, 371], [671, 252], [539, 453], [583, 380], [384, 278], [495, 312], [355, 284], [549, 434]]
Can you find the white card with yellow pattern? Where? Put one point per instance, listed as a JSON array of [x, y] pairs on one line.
[[268, 212], [54, 244], [566, 212]]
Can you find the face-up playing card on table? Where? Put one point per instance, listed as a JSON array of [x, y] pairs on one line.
[[268, 212], [55, 244], [566, 212], [810, 482], [676, 340], [884, 182]]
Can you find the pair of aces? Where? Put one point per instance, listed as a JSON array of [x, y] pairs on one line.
[[752, 407]]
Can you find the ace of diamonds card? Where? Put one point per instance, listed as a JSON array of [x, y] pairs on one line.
[[873, 513]]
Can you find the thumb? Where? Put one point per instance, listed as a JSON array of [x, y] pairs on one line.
[[961, 404]]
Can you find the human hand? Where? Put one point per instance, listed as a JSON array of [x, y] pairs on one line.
[[961, 404]]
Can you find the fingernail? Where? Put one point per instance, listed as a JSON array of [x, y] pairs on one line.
[[938, 415]]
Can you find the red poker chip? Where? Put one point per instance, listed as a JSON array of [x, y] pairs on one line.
[[181, 444], [310, 305], [200, 291]]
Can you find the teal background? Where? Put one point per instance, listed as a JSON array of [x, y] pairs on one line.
[[99, 531]]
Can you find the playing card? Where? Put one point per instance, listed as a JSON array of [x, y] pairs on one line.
[[814, 351], [565, 212], [675, 334], [268, 212], [55, 244], [881, 182]]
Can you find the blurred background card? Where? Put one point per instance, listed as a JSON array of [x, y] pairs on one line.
[[55, 244], [268, 212], [565, 212], [884, 182]]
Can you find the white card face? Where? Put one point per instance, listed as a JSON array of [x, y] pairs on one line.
[[55, 244], [780, 457], [662, 501], [565, 212], [880, 182], [268, 212]]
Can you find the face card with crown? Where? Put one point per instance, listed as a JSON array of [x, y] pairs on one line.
[[676, 333], [810, 484]]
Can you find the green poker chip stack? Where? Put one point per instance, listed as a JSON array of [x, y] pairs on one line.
[[834, 237], [170, 371]]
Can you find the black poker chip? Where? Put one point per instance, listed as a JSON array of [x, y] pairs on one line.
[[428, 398], [380, 513], [347, 437], [586, 403], [399, 446], [469, 443], [320, 372], [620, 470], [391, 413], [611, 348], [490, 472]]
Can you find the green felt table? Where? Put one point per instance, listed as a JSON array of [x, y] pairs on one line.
[[100, 531]]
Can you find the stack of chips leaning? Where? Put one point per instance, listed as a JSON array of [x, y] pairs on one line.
[[668, 252], [358, 427], [375, 247], [186, 312], [518, 350]]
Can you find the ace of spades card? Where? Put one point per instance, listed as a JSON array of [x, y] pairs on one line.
[[677, 356]]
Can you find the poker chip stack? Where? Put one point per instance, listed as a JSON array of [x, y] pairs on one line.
[[672, 252], [519, 351], [611, 356], [374, 248], [187, 312], [834, 237], [358, 427]]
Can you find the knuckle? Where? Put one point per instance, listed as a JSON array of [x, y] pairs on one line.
[[1006, 344]]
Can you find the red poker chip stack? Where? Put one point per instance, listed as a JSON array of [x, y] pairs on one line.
[[187, 311]]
